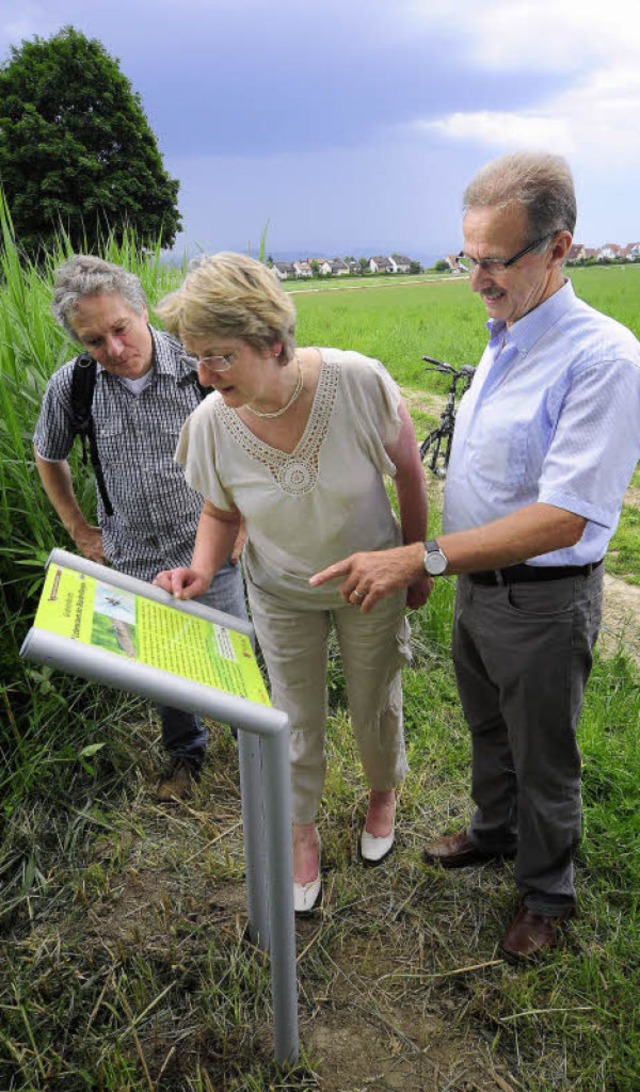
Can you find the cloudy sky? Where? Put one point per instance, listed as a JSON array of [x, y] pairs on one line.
[[352, 126]]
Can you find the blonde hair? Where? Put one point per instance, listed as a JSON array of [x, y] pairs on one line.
[[231, 295], [542, 183]]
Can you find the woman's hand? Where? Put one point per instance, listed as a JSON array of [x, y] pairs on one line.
[[238, 545], [419, 592], [182, 583]]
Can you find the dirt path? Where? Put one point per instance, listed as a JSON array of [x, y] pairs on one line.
[[620, 619]]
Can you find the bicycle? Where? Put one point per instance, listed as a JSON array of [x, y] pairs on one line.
[[439, 439]]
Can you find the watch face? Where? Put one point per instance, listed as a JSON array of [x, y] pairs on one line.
[[435, 562]]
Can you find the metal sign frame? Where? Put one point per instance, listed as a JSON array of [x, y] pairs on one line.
[[265, 784]]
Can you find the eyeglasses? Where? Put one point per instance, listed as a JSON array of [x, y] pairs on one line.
[[218, 363], [498, 265]]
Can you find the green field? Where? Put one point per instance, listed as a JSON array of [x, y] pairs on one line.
[[400, 322], [124, 961]]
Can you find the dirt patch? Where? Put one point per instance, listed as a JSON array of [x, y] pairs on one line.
[[423, 401], [399, 1049], [632, 496], [620, 619]]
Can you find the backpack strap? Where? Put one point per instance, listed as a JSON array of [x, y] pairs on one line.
[[83, 383]]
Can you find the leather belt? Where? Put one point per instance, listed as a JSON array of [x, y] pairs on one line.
[[523, 574]]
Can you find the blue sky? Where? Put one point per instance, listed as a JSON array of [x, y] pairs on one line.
[[352, 126]]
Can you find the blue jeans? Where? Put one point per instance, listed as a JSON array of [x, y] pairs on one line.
[[183, 734]]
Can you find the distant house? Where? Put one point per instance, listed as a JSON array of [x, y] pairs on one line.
[[353, 266], [380, 264], [323, 266], [608, 252], [302, 269], [400, 263], [633, 252], [576, 253], [339, 268], [283, 270]]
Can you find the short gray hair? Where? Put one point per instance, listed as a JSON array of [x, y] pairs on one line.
[[542, 183], [232, 295], [86, 275]]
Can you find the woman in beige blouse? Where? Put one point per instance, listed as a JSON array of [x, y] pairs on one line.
[[298, 442]]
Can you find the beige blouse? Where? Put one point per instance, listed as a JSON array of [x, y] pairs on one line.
[[322, 502]]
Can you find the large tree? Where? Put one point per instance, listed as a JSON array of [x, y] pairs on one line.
[[76, 149]]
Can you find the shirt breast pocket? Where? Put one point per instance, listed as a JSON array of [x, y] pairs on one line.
[[111, 440], [498, 455], [169, 432]]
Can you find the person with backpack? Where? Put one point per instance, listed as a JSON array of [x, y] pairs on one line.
[[127, 395]]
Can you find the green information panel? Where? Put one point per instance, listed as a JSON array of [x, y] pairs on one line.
[[99, 614]]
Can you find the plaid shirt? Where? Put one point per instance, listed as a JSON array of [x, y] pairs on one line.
[[155, 513]]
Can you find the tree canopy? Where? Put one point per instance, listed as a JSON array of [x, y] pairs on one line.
[[76, 150]]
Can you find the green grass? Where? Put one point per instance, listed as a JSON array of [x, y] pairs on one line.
[[403, 320], [398, 325], [124, 961]]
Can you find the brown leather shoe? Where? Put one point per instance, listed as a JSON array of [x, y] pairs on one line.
[[458, 851], [530, 934]]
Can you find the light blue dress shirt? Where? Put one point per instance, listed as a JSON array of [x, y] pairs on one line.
[[552, 415]]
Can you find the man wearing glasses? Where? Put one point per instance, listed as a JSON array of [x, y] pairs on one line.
[[144, 392], [546, 441]]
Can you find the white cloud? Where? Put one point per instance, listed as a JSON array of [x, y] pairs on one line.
[[593, 122], [543, 35], [503, 129], [596, 50]]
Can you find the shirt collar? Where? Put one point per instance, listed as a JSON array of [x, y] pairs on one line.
[[526, 331], [168, 357], [163, 361], [171, 358]]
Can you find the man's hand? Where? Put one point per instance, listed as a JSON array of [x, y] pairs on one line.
[[419, 592], [182, 583], [88, 539], [370, 577]]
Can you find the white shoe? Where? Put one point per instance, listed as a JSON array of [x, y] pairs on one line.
[[305, 895], [374, 849]]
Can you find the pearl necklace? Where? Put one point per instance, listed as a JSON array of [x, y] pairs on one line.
[[297, 390]]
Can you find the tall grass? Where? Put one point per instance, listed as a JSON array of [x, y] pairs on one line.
[[45, 726]]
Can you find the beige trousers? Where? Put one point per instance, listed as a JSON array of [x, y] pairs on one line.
[[373, 648]]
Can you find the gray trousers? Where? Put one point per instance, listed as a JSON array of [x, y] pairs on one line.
[[183, 734], [523, 655]]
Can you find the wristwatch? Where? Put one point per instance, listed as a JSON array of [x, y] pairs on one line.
[[435, 561]]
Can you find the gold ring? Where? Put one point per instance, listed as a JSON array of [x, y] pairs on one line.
[[359, 594]]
